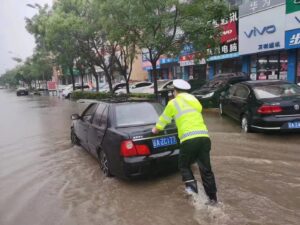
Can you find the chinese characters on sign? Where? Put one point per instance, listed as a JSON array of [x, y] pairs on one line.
[[229, 35], [270, 45], [292, 39], [253, 6]]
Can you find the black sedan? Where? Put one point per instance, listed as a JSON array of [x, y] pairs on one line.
[[263, 105], [22, 91], [119, 135], [209, 93]]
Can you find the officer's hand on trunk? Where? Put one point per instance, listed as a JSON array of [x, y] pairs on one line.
[[155, 130]]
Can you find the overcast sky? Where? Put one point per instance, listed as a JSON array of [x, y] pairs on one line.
[[15, 41]]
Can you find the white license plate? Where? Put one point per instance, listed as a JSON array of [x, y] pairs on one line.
[[293, 125]]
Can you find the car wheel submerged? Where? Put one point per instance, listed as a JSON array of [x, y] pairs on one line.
[[245, 125], [74, 138], [104, 165]]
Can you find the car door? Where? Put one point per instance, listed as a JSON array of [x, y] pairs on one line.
[[226, 98], [97, 128], [84, 123], [239, 100]]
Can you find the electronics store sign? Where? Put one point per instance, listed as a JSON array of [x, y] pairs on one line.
[[254, 6], [292, 39], [263, 34]]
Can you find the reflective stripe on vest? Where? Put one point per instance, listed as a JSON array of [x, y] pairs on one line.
[[196, 132], [166, 118], [181, 112]]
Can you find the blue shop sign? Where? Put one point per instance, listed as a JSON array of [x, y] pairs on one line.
[[168, 60], [292, 39]]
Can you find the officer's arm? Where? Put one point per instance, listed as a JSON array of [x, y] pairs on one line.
[[198, 106], [166, 117]]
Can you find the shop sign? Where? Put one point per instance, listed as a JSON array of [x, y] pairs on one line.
[[260, 32], [292, 19], [292, 39], [191, 60], [229, 36], [292, 6], [168, 60], [51, 85], [255, 6]]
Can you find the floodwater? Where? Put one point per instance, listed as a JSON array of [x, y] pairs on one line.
[[46, 181]]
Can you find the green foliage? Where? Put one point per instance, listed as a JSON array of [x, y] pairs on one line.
[[101, 95]]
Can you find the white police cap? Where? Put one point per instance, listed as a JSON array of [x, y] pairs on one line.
[[181, 84]]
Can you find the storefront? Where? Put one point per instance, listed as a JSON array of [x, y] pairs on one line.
[[228, 66], [262, 38], [269, 66], [193, 66]]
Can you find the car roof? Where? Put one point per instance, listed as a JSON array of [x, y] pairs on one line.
[[116, 100], [257, 83], [225, 75]]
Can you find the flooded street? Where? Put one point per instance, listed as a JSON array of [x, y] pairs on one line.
[[46, 181]]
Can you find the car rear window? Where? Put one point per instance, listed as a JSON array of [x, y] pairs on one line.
[[275, 91], [136, 114]]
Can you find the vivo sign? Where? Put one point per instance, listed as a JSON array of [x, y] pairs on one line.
[[256, 31], [260, 32]]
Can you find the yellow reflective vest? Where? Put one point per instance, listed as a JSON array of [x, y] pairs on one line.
[[186, 110]]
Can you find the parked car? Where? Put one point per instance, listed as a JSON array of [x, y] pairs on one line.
[[209, 93], [263, 105], [66, 93], [22, 91], [138, 87], [116, 86], [196, 84], [119, 135], [162, 85]]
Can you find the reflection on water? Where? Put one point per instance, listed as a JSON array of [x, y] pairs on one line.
[[44, 180]]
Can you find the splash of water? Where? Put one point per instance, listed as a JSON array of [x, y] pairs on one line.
[[205, 213]]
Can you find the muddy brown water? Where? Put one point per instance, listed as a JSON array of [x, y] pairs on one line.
[[46, 181]]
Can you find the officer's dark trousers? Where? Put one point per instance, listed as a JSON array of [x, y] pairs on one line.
[[197, 150]]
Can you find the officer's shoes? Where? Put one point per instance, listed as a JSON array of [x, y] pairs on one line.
[[191, 187], [211, 203]]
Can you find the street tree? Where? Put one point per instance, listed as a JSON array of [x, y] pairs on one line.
[[164, 27]]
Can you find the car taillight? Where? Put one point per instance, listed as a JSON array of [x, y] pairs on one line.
[[269, 109], [128, 149]]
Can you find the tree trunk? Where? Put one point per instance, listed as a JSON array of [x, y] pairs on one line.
[[154, 74], [96, 77], [72, 76]]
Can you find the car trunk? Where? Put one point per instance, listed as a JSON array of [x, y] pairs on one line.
[[167, 140], [290, 105]]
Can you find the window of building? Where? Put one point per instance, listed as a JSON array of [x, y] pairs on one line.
[[268, 66], [228, 66]]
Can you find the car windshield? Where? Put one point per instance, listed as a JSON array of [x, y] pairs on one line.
[[275, 91], [136, 114], [161, 83]]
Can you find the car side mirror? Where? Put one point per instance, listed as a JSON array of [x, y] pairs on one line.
[[75, 117]]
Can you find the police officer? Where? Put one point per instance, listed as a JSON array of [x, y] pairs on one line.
[[194, 139]]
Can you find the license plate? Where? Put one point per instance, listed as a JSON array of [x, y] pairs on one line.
[[294, 125], [164, 141]]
